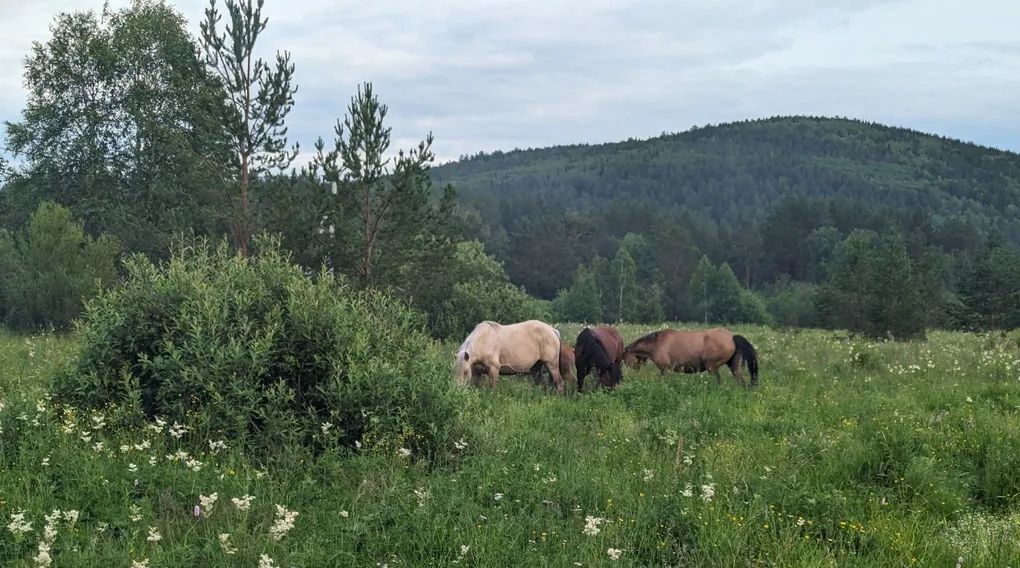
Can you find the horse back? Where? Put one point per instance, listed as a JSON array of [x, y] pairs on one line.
[[611, 340]]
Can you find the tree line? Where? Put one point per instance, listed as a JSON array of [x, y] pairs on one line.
[[136, 134]]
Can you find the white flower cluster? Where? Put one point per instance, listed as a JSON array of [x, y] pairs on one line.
[[591, 525], [284, 522]]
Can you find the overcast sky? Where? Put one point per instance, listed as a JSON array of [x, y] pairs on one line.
[[489, 74]]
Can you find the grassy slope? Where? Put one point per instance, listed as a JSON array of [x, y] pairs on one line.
[[850, 453]]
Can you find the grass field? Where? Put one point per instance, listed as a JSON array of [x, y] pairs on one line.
[[849, 453]]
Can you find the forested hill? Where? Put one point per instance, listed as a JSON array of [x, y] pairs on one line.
[[740, 170], [731, 178]]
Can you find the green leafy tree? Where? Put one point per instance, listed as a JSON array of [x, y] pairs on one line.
[[52, 269], [383, 206], [625, 298], [581, 302], [259, 97], [120, 125], [876, 289], [482, 292], [700, 289]]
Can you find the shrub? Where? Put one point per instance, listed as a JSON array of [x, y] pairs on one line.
[[254, 351], [47, 272], [482, 292]]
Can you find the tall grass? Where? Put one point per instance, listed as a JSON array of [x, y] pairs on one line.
[[849, 453]]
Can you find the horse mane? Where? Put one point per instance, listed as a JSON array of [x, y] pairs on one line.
[[592, 351], [648, 337]]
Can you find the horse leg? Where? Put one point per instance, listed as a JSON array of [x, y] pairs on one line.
[[714, 369], [736, 368], [493, 374], [554, 370], [536, 374]]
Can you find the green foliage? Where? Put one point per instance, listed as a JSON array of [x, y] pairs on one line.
[[990, 289], [582, 301], [792, 304], [51, 269], [717, 296], [258, 99], [876, 289], [481, 291], [255, 352], [623, 297], [382, 208], [120, 127]]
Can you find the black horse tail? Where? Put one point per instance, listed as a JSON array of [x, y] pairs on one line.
[[589, 353], [748, 353]]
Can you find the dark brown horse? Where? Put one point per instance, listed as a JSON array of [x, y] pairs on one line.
[[695, 352], [599, 348]]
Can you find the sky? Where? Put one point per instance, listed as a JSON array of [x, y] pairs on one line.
[[486, 75]]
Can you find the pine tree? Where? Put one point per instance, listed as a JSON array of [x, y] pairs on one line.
[[259, 97], [384, 201]]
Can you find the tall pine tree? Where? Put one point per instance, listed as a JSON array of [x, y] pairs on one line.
[[259, 97]]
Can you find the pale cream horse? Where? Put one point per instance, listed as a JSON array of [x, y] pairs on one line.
[[517, 349]]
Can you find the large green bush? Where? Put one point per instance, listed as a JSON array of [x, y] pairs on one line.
[[255, 352], [48, 271], [482, 291]]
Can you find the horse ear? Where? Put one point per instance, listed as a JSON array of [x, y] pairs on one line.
[[465, 355]]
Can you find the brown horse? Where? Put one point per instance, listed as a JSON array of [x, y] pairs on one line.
[[601, 348], [516, 349], [695, 352]]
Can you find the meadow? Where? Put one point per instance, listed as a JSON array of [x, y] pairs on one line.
[[850, 452]]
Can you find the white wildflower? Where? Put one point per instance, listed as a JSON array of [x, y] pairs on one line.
[[46, 461], [225, 544], [217, 446], [71, 516], [18, 525], [178, 430], [422, 495], [404, 452], [154, 535], [242, 503], [284, 522], [460, 444], [266, 562], [648, 474], [136, 513], [707, 492], [132, 468], [208, 501], [614, 553], [326, 426], [688, 491], [344, 514], [591, 525], [143, 563], [498, 496]]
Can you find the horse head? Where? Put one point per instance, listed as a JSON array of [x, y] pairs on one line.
[[632, 359], [462, 364]]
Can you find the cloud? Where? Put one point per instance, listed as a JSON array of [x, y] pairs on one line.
[[498, 74]]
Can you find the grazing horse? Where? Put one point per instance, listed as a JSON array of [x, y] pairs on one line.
[[695, 352], [601, 348], [515, 349]]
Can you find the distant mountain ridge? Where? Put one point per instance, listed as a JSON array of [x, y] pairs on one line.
[[737, 172]]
